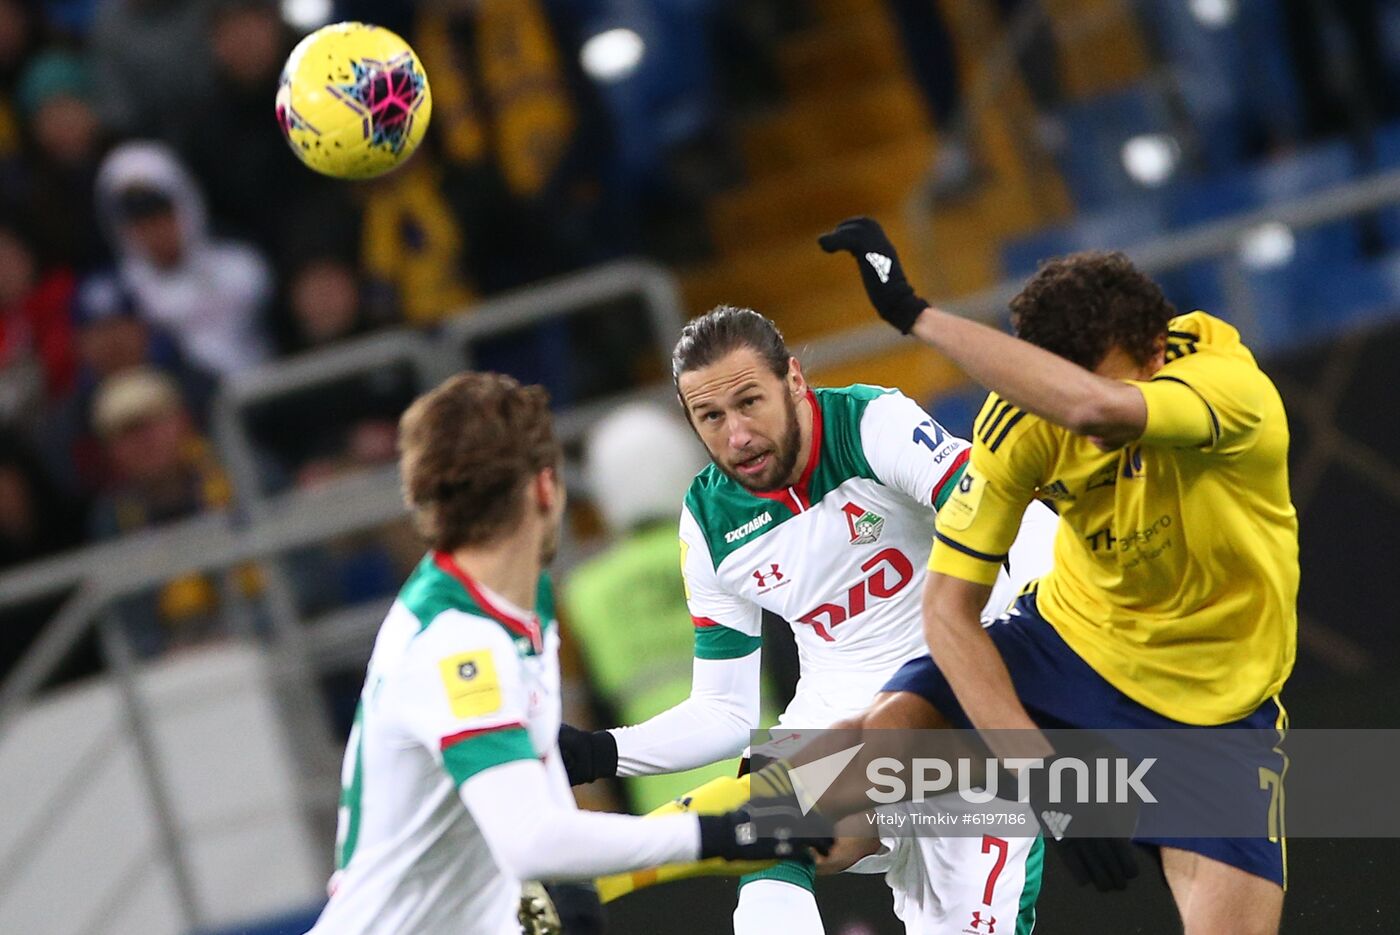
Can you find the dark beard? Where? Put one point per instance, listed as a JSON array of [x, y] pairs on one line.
[[784, 456]]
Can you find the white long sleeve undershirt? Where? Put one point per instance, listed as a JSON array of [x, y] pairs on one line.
[[534, 837], [712, 724]]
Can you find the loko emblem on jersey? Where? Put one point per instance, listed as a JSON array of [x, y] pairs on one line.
[[473, 688], [865, 526]]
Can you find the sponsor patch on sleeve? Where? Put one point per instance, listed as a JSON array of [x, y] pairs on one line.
[[473, 688], [960, 509]]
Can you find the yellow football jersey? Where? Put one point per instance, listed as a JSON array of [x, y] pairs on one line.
[[1176, 560]]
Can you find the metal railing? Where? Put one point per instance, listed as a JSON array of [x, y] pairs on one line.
[[264, 527], [105, 573]]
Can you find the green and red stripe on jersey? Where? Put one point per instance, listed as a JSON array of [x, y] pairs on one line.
[[714, 640], [528, 627], [945, 487], [468, 752]]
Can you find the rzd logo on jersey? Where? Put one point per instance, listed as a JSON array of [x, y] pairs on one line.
[[890, 572]]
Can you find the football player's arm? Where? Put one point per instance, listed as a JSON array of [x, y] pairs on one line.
[[1032, 555], [715, 721], [1206, 400], [1110, 411], [974, 536], [909, 451], [712, 724], [464, 699], [535, 837]]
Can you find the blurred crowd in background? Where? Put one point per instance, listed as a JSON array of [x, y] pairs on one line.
[[157, 237]]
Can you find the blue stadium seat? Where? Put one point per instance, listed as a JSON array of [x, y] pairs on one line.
[[1096, 129], [1120, 229], [1340, 296], [1235, 81], [1196, 286], [669, 99], [1309, 299], [1280, 179], [1386, 146]]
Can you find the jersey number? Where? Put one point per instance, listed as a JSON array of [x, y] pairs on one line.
[[989, 844]]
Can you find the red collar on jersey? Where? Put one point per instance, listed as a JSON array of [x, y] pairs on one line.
[[797, 497], [528, 627]]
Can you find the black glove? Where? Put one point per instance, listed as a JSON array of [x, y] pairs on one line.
[[880, 271], [587, 754], [734, 835], [1078, 832]]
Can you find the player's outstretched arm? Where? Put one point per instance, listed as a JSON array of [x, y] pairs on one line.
[[712, 724], [535, 837], [1027, 376]]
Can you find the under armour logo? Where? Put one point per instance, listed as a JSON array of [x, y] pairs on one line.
[[881, 264], [762, 578], [977, 922], [1056, 823]]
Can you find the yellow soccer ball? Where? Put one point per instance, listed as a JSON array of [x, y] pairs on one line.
[[353, 101]]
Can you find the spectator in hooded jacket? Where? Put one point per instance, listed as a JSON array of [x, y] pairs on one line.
[[210, 294]]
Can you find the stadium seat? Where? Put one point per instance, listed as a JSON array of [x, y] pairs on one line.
[[1197, 285], [1281, 179], [1234, 80], [1386, 152], [1132, 223], [1228, 193], [1096, 129]]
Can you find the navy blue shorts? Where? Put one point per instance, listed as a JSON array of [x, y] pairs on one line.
[[1060, 690]]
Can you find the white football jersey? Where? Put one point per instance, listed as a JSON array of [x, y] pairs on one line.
[[840, 555], [458, 682]]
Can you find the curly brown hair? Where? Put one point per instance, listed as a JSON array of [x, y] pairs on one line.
[[467, 450], [1083, 305]]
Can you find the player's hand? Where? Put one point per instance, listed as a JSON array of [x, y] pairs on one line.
[[735, 835], [1108, 863], [536, 913], [880, 270], [587, 754]]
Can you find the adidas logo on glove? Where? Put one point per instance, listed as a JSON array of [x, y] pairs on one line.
[[881, 264]]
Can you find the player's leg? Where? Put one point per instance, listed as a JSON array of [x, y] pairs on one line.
[[1213, 896], [982, 883], [779, 899], [783, 897]]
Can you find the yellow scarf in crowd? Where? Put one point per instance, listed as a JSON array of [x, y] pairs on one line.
[[519, 113], [513, 109]]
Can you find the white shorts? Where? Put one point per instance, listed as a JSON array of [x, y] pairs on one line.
[[974, 885]]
